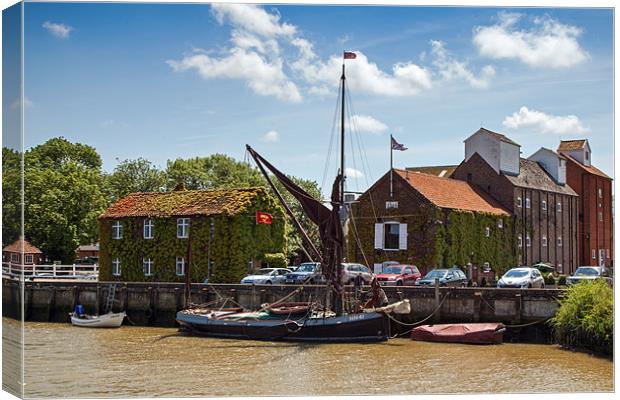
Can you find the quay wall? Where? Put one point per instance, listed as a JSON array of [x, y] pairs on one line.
[[156, 304]]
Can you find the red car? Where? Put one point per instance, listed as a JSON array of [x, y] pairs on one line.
[[399, 275]]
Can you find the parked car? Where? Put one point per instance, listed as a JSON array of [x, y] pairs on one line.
[[352, 273], [447, 277], [266, 276], [292, 268], [399, 275], [522, 277], [308, 272], [588, 273]]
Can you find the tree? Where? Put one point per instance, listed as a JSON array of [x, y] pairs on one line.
[[63, 195], [11, 196], [132, 176], [214, 171]]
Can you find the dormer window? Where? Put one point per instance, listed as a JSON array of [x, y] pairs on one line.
[[544, 205]]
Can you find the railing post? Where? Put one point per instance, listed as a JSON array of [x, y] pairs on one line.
[[10, 268], [74, 270], [54, 270]]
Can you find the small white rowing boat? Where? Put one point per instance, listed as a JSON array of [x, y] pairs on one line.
[[109, 320]]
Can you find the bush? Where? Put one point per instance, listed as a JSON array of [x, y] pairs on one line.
[[549, 279], [483, 282], [275, 260], [585, 317], [562, 280]]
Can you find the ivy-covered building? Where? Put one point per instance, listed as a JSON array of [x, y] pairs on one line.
[[156, 236], [430, 221]]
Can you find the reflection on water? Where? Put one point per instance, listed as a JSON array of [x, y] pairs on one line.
[[66, 361]]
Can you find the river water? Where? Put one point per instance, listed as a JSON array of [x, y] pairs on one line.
[[66, 361]]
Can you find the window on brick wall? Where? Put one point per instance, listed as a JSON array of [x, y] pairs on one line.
[[527, 202], [559, 206], [600, 193], [180, 266], [544, 240], [28, 258], [520, 241], [147, 266], [487, 231], [116, 267], [593, 254], [117, 230], [560, 241], [500, 223], [528, 241], [182, 228], [544, 205], [148, 229], [391, 236], [600, 216], [519, 202]]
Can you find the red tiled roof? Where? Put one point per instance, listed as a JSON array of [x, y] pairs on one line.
[[591, 169], [16, 247], [182, 202], [571, 145], [452, 193]]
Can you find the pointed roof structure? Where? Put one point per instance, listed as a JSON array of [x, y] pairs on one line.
[[16, 247]]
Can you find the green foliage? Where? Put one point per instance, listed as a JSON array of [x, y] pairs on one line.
[[132, 176], [562, 280], [277, 260], [585, 317], [62, 197], [214, 171], [237, 240], [11, 198], [549, 279]]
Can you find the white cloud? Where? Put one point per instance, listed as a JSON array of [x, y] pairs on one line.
[[264, 77], [366, 123], [545, 123], [59, 30], [353, 173], [547, 44], [450, 69], [271, 136], [252, 18], [363, 75]]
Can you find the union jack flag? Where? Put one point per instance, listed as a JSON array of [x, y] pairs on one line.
[[397, 146]]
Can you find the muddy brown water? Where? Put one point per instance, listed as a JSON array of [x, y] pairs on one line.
[[66, 361]]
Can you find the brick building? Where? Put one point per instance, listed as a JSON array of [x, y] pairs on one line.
[[158, 236], [534, 190], [595, 227], [429, 221], [13, 253]]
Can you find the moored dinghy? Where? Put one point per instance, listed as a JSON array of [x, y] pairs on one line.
[[109, 320], [474, 333]]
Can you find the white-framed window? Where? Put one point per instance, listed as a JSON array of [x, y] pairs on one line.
[[519, 202], [559, 241], [391, 236], [600, 193], [544, 240], [487, 231], [593, 254], [528, 241], [28, 258], [147, 266], [117, 230], [520, 240], [544, 205], [15, 258], [391, 204], [500, 223], [182, 228], [116, 267], [180, 266], [600, 216], [148, 228], [528, 204], [559, 206]]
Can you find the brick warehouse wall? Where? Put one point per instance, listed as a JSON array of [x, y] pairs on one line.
[[593, 234], [533, 221]]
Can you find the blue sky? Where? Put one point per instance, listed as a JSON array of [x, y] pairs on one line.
[[165, 81]]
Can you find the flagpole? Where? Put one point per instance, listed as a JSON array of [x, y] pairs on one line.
[[391, 167]]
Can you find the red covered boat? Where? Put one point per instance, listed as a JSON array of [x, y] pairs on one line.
[[474, 333]]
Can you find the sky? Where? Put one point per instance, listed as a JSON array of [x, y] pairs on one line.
[[167, 81]]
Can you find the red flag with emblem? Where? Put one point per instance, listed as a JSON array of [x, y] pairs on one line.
[[263, 218], [349, 55]]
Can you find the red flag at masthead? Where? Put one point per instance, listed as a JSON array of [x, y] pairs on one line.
[[349, 55]]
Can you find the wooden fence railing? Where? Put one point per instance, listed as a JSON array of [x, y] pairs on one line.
[[53, 271]]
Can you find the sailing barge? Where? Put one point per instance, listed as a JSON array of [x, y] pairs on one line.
[[326, 319]]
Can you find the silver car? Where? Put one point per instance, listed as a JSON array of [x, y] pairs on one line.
[[352, 273], [588, 273], [266, 276], [522, 278]]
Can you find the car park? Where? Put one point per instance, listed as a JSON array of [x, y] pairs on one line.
[[266, 276], [522, 278], [399, 275], [588, 273], [446, 277]]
